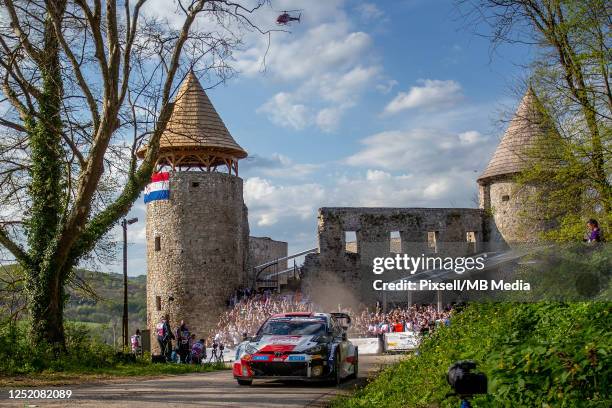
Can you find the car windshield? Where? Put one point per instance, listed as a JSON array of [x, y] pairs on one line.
[[293, 328]]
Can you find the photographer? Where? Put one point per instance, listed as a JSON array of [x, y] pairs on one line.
[[466, 383]]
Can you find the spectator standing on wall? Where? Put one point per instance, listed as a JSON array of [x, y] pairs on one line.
[[594, 233]]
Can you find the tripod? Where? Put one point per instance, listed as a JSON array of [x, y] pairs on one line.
[[215, 356]]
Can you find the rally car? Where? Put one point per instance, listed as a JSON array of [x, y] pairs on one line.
[[298, 346]]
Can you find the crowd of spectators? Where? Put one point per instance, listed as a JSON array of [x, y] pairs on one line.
[[247, 313], [248, 310], [415, 318]]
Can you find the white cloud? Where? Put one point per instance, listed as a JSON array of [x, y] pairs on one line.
[[331, 61], [423, 151], [470, 137], [268, 203], [370, 11], [340, 88], [328, 119], [431, 94], [277, 166], [386, 86], [283, 110], [319, 50], [419, 189], [297, 110], [377, 175]]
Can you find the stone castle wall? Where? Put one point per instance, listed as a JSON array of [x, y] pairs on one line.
[[508, 204], [338, 272], [201, 253], [264, 249]]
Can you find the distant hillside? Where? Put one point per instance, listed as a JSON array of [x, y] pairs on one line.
[[109, 289], [102, 312]]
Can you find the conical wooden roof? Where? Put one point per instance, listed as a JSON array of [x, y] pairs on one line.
[[526, 127], [195, 126]]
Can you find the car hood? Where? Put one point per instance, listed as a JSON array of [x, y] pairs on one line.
[[283, 344]]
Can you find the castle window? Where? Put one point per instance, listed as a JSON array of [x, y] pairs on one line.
[[471, 239], [432, 241], [195, 184], [158, 303], [350, 242], [157, 243], [505, 198], [395, 242]]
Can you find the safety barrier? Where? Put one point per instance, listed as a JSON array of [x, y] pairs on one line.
[[400, 341], [367, 345]]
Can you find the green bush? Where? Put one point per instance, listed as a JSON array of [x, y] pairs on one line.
[[535, 355], [18, 356], [85, 355]]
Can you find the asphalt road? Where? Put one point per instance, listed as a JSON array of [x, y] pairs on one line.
[[216, 389]]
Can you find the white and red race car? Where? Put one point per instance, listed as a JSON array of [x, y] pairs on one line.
[[298, 346]]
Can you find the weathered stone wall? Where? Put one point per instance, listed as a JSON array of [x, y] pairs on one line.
[[508, 205], [203, 250], [264, 249], [334, 268]]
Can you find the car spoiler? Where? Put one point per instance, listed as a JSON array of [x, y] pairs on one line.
[[338, 315]]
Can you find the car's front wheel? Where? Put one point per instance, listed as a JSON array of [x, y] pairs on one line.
[[356, 364], [337, 375], [245, 382]]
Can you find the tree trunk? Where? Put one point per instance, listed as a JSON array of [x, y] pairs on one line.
[[46, 277], [46, 301]]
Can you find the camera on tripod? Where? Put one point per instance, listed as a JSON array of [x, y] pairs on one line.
[[464, 382]]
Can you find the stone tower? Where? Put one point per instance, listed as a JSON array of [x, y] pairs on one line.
[[197, 239], [505, 200]]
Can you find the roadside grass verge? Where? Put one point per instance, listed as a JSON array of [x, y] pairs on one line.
[[80, 375], [85, 360]]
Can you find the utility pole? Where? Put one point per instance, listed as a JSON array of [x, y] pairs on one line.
[[124, 326]]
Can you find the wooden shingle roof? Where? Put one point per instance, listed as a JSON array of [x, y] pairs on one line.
[[195, 126], [513, 152]]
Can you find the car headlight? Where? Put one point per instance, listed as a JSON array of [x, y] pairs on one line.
[[318, 349], [249, 349]]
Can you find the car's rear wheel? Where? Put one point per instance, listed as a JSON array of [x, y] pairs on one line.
[[245, 382]]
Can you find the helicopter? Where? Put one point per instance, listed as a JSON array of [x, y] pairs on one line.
[[285, 18]]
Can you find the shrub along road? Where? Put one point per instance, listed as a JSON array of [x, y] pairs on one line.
[[213, 389]]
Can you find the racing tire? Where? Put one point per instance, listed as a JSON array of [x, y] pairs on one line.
[[356, 365], [337, 375], [245, 382]]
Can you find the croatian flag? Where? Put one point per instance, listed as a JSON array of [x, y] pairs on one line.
[[159, 188]]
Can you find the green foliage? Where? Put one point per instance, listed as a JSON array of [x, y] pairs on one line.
[[535, 355], [100, 312], [19, 356], [567, 272]]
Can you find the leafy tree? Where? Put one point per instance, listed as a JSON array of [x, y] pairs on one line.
[[571, 76], [87, 84]]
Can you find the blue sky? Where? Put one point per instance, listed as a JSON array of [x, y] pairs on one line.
[[388, 103]]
